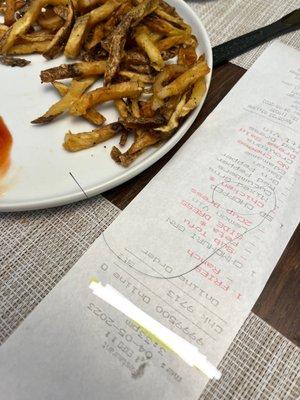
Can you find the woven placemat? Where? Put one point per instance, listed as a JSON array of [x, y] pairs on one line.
[[38, 248], [226, 20]]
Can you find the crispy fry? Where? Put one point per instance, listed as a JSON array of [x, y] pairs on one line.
[[170, 53], [94, 37], [198, 92], [169, 72], [29, 48], [168, 9], [91, 115], [175, 19], [84, 23], [116, 17], [84, 4], [117, 41], [161, 26], [18, 4], [135, 109], [122, 108], [187, 54], [73, 71], [60, 38], [146, 109], [103, 94], [9, 16], [3, 29], [143, 141], [61, 11], [101, 13], [123, 138], [75, 91], [37, 36], [174, 120], [171, 41], [13, 62], [49, 20], [186, 79], [135, 57], [137, 77], [85, 140], [169, 106], [22, 25], [143, 39], [60, 87], [146, 139], [138, 121], [77, 36]]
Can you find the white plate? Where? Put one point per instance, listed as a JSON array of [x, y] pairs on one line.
[[39, 173]]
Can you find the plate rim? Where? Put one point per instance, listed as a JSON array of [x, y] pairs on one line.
[[78, 195]]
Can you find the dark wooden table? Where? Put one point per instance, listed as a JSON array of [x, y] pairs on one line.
[[279, 303]]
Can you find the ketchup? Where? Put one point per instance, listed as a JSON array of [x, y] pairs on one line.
[[5, 147]]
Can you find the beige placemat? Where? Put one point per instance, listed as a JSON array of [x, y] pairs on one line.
[[227, 19], [37, 250]]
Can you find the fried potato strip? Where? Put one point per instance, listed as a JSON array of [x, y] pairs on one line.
[[50, 21], [9, 15], [198, 92], [85, 140], [94, 38], [169, 72], [76, 89], [137, 77], [183, 81], [103, 94], [143, 141], [143, 39], [84, 23], [73, 71], [29, 48], [37, 36], [117, 40], [77, 36], [3, 30], [174, 120], [13, 62], [91, 115], [122, 108], [60, 38], [22, 25]]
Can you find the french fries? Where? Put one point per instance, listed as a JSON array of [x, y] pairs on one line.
[[84, 23], [92, 115], [143, 39], [85, 140], [50, 21], [13, 62], [183, 81], [140, 54], [117, 40], [22, 25], [61, 36], [103, 94], [75, 91], [73, 71], [29, 48], [9, 16]]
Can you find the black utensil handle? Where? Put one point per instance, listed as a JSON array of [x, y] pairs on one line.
[[235, 47]]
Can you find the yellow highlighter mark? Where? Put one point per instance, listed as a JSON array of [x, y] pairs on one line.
[[94, 279], [152, 337]]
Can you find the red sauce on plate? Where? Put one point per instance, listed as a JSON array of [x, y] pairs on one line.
[[5, 147]]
